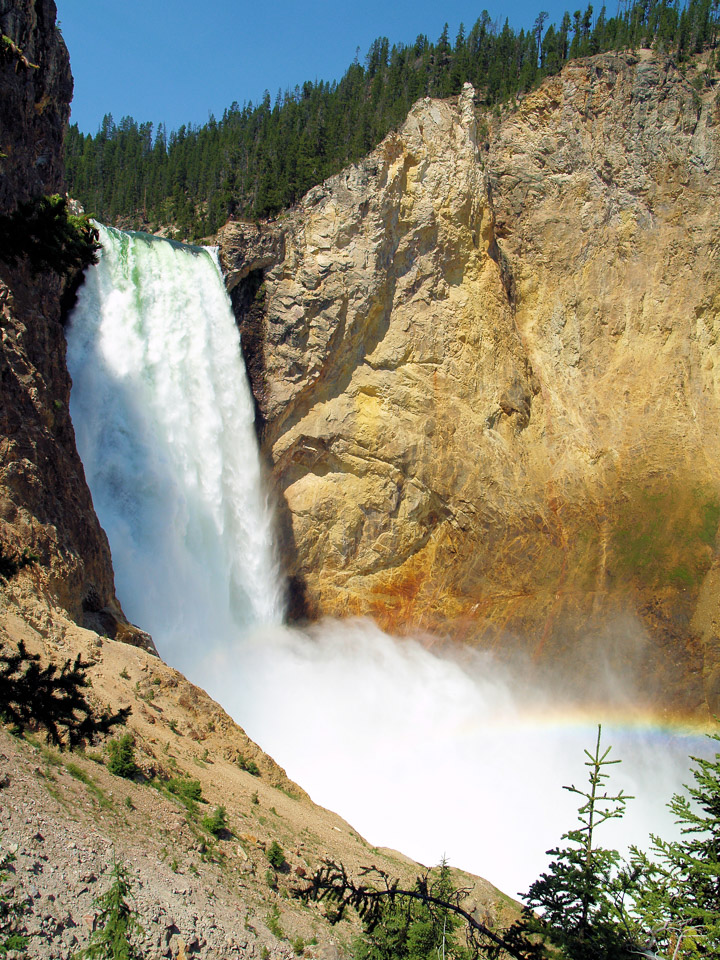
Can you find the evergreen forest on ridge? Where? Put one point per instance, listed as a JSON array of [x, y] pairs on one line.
[[260, 158]]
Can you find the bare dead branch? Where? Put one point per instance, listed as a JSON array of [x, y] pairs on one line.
[[332, 884]]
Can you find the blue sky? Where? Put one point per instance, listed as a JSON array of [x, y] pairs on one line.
[[177, 61]]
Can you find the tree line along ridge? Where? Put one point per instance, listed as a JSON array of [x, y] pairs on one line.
[[261, 158]]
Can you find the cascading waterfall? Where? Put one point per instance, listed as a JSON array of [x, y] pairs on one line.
[[164, 423], [430, 754]]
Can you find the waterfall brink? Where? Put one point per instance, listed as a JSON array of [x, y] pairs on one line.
[[431, 754], [164, 423]]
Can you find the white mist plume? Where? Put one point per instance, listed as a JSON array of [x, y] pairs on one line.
[[428, 754], [436, 755]]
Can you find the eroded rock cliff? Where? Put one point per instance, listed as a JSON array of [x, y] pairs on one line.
[[485, 361], [45, 506]]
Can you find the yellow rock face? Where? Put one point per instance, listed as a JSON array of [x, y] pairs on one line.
[[490, 362]]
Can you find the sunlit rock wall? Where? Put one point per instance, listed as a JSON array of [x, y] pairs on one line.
[[485, 361]]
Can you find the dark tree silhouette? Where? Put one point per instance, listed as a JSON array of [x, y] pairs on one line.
[[369, 899], [53, 698], [43, 232]]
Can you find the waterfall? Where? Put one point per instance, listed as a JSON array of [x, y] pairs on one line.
[[431, 754], [164, 423]]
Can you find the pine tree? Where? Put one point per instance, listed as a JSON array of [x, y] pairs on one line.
[[580, 898], [679, 906], [53, 698], [117, 924], [407, 930], [260, 158]]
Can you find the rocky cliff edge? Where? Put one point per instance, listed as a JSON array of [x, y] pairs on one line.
[[46, 510], [486, 367]]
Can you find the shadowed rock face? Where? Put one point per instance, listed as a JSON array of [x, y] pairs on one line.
[[37, 89], [45, 505], [486, 361]]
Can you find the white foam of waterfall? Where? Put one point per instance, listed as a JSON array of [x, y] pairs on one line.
[[164, 423]]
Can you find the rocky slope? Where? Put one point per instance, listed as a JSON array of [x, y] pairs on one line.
[[45, 505], [66, 820], [485, 360]]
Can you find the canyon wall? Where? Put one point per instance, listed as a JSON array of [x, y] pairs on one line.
[[46, 509], [485, 361]]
